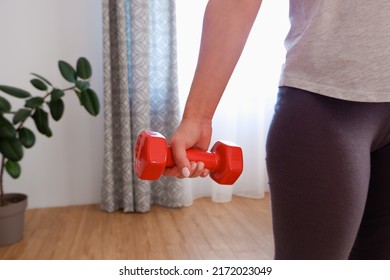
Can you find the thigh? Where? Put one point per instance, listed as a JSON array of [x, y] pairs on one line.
[[373, 240], [318, 175]]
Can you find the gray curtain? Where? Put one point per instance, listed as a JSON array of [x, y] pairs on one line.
[[140, 83]]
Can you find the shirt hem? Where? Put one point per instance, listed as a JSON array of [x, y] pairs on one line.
[[334, 92]]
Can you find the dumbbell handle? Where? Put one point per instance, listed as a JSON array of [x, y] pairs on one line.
[[210, 160]]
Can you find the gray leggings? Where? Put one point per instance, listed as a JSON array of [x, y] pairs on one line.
[[328, 163]]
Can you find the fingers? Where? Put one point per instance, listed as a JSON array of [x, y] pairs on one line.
[[188, 135], [183, 165], [197, 169]]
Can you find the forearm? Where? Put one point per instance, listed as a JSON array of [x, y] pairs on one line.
[[226, 26]]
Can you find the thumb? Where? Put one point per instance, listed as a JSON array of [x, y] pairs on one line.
[[180, 158]]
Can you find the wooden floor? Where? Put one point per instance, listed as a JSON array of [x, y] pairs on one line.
[[240, 229]]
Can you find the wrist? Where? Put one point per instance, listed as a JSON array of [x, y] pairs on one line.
[[198, 119], [200, 108]]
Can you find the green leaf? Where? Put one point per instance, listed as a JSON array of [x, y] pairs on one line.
[[41, 119], [5, 106], [7, 130], [15, 92], [21, 115], [42, 78], [38, 84], [34, 102], [11, 148], [13, 169], [56, 94], [27, 137], [67, 71], [84, 69], [82, 85], [90, 101], [57, 109]]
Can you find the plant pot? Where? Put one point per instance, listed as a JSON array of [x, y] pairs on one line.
[[12, 218]]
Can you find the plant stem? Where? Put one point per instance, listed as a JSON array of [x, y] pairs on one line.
[[69, 88], [1, 181]]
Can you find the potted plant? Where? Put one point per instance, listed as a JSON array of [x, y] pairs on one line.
[[15, 136]]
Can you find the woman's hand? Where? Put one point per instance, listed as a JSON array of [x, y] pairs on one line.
[[189, 134]]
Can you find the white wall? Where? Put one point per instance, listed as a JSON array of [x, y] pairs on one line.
[[65, 169]]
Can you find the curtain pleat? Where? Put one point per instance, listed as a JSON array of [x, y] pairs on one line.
[[140, 83]]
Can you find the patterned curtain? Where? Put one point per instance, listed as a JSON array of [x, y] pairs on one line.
[[140, 83]]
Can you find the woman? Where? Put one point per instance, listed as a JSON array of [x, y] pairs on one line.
[[328, 151]]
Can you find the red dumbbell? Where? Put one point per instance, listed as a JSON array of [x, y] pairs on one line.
[[152, 155]]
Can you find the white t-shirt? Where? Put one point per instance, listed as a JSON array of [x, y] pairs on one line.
[[339, 48]]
